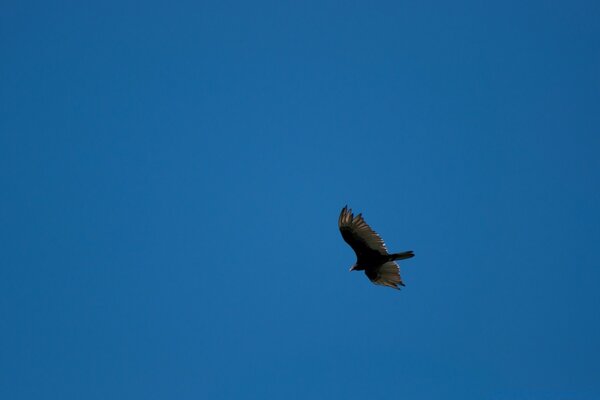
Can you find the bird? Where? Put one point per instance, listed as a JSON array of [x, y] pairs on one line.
[[372, 255]]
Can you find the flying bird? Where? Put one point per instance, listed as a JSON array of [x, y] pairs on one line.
[[371, 254]]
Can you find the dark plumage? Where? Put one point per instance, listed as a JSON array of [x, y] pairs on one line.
[[371, 254]]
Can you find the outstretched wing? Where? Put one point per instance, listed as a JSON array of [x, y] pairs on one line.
[[359, 235], [387, 274]]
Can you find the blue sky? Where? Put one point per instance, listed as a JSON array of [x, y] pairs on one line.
[[172, 176]]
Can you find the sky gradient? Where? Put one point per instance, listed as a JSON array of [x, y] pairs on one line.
[[172, 174]]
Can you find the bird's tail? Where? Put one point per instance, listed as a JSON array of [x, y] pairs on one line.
[[402, 256]]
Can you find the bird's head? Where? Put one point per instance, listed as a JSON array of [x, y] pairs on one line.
[[354, 268]]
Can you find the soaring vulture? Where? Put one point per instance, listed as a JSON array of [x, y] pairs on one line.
[[371, 254]]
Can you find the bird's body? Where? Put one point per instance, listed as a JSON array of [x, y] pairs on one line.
[[371, 253]]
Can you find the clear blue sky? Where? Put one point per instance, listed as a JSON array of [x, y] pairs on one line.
[[171, 177]]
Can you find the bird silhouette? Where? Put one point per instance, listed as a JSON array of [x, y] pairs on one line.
[[371, 254]]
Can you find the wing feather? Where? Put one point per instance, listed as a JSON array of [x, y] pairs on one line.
[[386, 275], [359, 235]]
